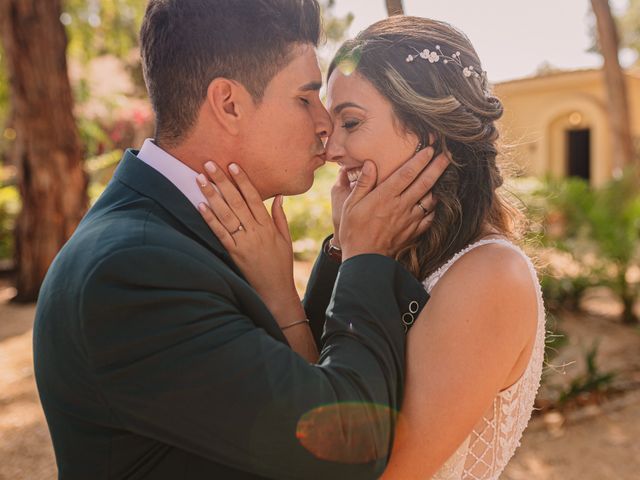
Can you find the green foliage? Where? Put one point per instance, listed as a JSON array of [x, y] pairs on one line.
[[599, 228], [5, 106], [309, 215], [564, 291], [4, 90], [629, 25], [593, 382], [9, 208], [102, 27], [335, 28], [92, 136], [555, 337]]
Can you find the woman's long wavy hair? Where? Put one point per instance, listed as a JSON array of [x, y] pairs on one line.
[[459, 111]]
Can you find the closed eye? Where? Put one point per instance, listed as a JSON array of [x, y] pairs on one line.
[[350, 124], [305, 101]]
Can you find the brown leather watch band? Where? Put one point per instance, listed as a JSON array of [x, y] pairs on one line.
[[333, 252]]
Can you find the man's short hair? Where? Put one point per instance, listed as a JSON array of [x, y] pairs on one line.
[[185, 44]]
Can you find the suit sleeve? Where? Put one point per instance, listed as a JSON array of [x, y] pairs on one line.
[[177, 360], [318, 293]]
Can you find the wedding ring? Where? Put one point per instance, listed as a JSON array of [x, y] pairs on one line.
[[426, 212], [240, 229]]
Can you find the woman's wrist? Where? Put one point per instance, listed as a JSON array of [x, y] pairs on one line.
[[286, 310], [332, 250]]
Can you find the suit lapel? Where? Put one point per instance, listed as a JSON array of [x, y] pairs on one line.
[[145, 180], [148, 182]]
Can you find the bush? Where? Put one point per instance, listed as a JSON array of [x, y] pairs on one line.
[[591, 385], [564, 291], [599, 228]]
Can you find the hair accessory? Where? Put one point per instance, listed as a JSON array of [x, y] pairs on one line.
[[434, 56]]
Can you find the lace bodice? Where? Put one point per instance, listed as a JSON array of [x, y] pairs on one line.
[[486, 451]]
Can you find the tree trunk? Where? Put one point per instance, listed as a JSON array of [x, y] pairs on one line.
[[394, 7], [620, 121], [47, 154]]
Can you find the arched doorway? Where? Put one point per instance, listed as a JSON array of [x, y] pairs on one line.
[[578, 153], [571, 138], [577, 140]]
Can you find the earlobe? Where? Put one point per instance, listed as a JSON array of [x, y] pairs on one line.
[[222, 98]]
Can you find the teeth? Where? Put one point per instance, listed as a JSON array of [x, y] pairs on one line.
[[354, 174]]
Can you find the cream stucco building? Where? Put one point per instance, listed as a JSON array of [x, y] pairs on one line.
[[557, 124]]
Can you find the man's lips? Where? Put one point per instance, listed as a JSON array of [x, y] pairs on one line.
[[322, 158]]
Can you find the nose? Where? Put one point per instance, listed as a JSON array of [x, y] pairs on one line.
[[334, 149], [324, 126]]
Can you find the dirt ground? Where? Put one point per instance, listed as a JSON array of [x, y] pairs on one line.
[[588, 443]]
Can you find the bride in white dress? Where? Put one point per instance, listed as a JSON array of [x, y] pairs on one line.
[[475, 352]]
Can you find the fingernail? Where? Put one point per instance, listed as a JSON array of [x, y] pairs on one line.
[[202, 180], [366, 168], [202, 208], [233, 168], [211, 167], [281, 200]]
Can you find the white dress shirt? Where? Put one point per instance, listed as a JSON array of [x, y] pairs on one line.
[[173, 170]]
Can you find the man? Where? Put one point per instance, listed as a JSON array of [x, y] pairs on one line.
[[154, 358]]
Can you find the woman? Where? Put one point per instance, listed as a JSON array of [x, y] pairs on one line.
[[475, 352]]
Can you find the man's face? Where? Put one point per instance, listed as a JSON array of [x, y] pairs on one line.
[[281, 144]]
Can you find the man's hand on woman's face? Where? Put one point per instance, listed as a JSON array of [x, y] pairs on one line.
[[384, 218]]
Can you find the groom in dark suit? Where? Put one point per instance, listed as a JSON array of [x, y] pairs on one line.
[[154, 358]]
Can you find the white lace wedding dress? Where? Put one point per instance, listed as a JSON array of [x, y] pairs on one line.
[[486, 451]]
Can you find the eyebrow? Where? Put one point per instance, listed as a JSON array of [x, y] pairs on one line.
[[311, 86], [338, 108]]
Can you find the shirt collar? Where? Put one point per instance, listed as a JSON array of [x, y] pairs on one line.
[[183, 177]]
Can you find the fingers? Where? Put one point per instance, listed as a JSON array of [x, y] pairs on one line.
[[366, 182], [407, 173], [218, 206], [249, 193], [427, 204], [218, 229], [280, 218], [230, 194], [425, 181], [425, 223], [343, 179]]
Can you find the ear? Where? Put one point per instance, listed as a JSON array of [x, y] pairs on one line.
[[227, 100]]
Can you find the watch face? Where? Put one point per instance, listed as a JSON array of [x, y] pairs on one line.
[[333, 252]]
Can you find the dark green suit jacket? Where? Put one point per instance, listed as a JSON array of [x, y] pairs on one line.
[[155, 359]]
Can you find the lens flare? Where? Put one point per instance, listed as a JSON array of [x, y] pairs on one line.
[[347, 432]]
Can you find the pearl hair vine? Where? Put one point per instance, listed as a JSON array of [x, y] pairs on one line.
[[434, 56]]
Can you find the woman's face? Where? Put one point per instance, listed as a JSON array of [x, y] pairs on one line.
[[365, 128]]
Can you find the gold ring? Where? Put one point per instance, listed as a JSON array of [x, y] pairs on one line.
[[426, 212]]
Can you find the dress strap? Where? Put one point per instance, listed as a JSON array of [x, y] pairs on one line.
[[433, 279]]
